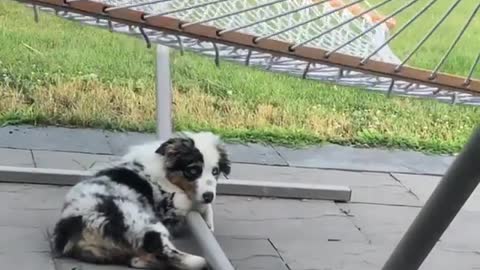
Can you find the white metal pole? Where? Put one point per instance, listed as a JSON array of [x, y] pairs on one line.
[[163, 93], [212, 251]]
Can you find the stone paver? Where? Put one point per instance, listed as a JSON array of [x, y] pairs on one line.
[[350, 158], [31, 197], [27, 261], [251, 253], [29, 206], [382, 225], [16, 157], [54, 139], [301, 231], [366, 187], [442, 259], [462, 235], [69, 264], [21, 239], [423, 186], [330, 255], [29, 218], [69, 160]]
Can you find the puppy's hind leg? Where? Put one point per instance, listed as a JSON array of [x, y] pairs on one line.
[[183, 261], [147, 261], [157, 242]]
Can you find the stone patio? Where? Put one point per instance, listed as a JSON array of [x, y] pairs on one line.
[[389, 187]]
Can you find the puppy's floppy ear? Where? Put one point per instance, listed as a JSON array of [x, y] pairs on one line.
[[174, 143], [162, 150], [224, 161]]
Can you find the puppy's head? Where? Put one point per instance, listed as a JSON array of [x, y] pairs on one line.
[[194, 162]]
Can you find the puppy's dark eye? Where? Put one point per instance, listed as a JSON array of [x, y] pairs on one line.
[[192, 172], [215, 171]]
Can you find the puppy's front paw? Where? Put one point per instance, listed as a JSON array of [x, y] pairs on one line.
[[182, 204], [196, 262]]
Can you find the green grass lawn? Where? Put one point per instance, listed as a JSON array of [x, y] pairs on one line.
[[60, 72], [429, 55]]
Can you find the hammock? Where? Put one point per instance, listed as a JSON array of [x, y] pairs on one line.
[[345, 43]]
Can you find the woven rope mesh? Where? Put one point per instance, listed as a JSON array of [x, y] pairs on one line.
[[361, 47]]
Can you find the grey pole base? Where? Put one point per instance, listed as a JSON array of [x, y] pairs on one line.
[[224, 187], [439, 211], [212, 251]]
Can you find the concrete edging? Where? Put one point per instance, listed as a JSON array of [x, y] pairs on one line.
[[225, 187]]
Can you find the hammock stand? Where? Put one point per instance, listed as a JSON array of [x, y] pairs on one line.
[[161, 24]]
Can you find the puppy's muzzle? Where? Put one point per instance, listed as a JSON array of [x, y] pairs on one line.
[[208, 197]]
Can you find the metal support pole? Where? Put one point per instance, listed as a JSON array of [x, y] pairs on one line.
[[207, 242], [212, 251], [441, 208], [163, 93]]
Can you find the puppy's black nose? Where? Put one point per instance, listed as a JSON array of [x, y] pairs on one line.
[[208, 197]]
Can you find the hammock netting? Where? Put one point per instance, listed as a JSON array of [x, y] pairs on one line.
[[353, 28]]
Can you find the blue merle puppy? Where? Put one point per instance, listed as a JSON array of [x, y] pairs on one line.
[[126, 212]]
